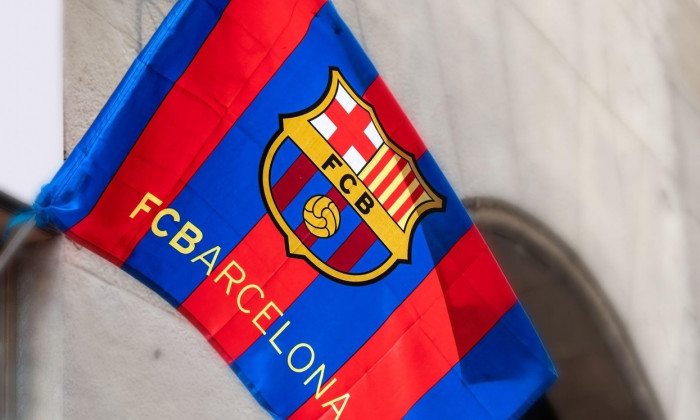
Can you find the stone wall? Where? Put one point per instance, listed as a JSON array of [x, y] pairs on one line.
[[583, 113]]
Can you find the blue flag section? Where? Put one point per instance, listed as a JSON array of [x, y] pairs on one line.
[[254, 170]]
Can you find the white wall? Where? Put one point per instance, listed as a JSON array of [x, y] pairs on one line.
[[31, 95], [583, 113]]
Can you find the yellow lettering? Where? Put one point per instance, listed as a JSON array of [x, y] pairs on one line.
[[191, 240], [243, 290], [231, 279], [165, 212], [274, 337], [143, 205], [320, 371], [333, 402], [291, 353], [211, 263], [270, 304]]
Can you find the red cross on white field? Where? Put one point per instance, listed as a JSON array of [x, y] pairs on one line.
[[349, 129]]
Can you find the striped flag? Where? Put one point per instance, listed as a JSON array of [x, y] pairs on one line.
[[254, 170]]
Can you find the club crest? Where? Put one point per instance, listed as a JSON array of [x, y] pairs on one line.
[[346, 198]]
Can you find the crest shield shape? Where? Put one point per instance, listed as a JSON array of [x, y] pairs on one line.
[[344, 195]]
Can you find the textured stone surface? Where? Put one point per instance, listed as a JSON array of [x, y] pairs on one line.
[[585, 114]]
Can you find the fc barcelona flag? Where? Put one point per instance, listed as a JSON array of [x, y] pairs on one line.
[[254, 170]]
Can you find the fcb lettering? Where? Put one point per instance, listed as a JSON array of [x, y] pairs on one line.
[[255, 171]]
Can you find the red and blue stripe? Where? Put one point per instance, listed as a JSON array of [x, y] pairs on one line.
[[442, 335]]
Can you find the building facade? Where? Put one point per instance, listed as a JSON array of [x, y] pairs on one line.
[[582, 116]]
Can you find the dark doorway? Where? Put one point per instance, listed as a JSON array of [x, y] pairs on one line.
[[599, 375]]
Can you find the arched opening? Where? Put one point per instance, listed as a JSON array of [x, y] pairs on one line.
[[600, 376]]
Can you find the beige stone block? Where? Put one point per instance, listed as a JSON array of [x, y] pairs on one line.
[[639, 87], [611, 159], [40, 333], [543, 95], [473, 77], [594, 46], [125, 359], [659, 295], [557, 20], [687, 136]]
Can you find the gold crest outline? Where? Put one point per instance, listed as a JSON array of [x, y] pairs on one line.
[[297, 128]]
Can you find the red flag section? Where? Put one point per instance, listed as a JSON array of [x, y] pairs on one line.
[[254, 274], [241, 54], [392, 118], [447, 314]]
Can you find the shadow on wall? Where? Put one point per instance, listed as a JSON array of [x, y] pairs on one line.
[[599, 373]]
